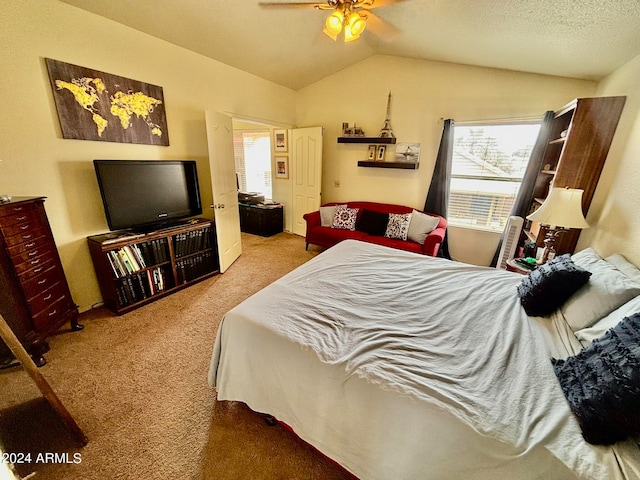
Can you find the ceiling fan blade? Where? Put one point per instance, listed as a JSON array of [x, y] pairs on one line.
[[292, 5], [382, 3], [383, 29]]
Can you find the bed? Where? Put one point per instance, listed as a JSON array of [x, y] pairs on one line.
[[400, 366]]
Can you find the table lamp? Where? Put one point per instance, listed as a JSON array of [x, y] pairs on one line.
[[561, 210]]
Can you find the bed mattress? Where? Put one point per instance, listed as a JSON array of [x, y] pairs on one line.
[[397, 365]]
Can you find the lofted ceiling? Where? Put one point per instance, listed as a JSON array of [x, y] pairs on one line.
[[573, 38]]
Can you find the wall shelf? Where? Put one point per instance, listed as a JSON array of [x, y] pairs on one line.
[[402, 165], [371, 140]]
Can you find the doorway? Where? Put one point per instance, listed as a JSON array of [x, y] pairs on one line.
[[252, 155]]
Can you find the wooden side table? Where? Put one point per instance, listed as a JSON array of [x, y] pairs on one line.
[[513, 266]]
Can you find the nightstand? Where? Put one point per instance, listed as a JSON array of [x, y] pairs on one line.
[[513, 266]]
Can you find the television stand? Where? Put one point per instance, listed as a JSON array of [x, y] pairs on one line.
[[134, 269]]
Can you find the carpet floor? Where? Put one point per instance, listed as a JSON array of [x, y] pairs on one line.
[[137, 385]]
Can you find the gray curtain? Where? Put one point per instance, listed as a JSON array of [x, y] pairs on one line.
[[438, 197], [525, 193]]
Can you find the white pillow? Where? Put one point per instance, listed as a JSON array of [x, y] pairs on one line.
[[606, 290], [326, 215], [588, 335], [626, 267], [585, 258], [345, 218], [398, 226], [421, 225]]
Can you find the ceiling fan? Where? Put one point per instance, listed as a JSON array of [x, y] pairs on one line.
[[348, 15]]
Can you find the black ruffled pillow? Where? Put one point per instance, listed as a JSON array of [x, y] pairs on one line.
[[602, 384], [373, 223], [545, 289]]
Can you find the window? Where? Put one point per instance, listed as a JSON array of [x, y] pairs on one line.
[[488, 164], [252, 153]]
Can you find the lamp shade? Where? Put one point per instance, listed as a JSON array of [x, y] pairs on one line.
[[333, 24], [356, 23], [562, 208]]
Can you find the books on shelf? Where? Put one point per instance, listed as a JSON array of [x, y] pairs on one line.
[[142, 270], [187, 243], [195, 266], [138, 256], [135, 288]]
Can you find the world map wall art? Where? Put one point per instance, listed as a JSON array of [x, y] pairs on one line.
[[99, 106]]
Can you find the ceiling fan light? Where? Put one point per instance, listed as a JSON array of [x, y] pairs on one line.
[[349, 36], [333, 36], [356, 24], [334, 22]]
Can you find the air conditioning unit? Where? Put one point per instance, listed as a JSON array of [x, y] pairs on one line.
[[510, 240]]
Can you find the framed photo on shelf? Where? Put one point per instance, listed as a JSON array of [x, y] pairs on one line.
[[282, 167], [372, 153], [280, 140], [380, 152], [407, 153]]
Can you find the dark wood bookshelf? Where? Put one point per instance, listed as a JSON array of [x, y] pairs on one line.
[[401, 165], [371, 140], [134, 269], [577, 146]]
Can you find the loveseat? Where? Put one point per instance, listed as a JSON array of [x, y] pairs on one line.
[[370, 226]]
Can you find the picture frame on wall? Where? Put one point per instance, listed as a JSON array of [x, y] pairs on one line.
[[380, 153], [282, 167], [372, 153], [280, 140]]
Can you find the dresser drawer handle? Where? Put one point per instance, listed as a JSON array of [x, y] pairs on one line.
[[53, 313], [26, 237], [48, 297], [17, 209], [33, 254], [29, 245], [24, 227], [42, 282], [35, 262], [24, 217], [37, 270]]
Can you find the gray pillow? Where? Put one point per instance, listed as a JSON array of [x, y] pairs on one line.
[[326, 215], [421, 225], [607, 289]]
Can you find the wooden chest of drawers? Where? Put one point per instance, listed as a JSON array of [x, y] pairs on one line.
[[34, 294]]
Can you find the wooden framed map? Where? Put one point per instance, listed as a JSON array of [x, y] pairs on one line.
[[94, 105]]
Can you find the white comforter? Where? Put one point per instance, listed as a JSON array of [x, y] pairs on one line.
[[400, 366]]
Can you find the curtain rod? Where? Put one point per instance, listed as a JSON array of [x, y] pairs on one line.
[[498, 121]]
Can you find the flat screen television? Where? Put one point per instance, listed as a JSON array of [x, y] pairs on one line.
[[147, 194]]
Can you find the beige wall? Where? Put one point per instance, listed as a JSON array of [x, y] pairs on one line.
[[35, 160], [423, 93], [613, 216]]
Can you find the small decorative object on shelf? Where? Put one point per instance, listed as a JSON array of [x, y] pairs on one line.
[[386, 131], [354, 131], [372, 153], [382, 149], [408, 152]]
